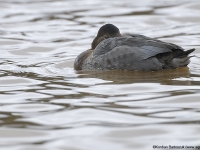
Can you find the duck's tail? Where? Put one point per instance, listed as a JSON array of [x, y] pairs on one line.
[[183, 60], [189, 51]]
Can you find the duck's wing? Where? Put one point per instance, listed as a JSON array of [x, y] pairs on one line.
[[142, 37], [150, 50], [147, 47], [123, 57]]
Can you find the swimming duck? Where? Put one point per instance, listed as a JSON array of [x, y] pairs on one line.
[[111, 50]]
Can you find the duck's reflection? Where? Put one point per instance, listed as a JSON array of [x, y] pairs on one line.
[[119, 76]]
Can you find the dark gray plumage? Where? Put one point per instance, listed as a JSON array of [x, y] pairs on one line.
[[134, 52]]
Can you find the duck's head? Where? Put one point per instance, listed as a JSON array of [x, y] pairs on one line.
[[105, 32]]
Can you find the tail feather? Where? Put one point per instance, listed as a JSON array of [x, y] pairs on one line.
[[182, 60], [189, 51]]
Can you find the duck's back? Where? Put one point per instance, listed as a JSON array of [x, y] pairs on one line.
[[135, 52]]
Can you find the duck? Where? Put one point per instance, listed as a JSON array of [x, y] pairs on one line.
[[111, 50]]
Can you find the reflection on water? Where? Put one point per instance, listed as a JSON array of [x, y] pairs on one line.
[[46, 104], [163, 76]]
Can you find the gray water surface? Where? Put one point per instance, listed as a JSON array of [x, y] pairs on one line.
[[46, 105]]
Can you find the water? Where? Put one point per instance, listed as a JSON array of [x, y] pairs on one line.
[[46, 104]]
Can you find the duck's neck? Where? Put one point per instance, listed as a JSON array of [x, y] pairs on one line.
[[96, 41], [93, 45]]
